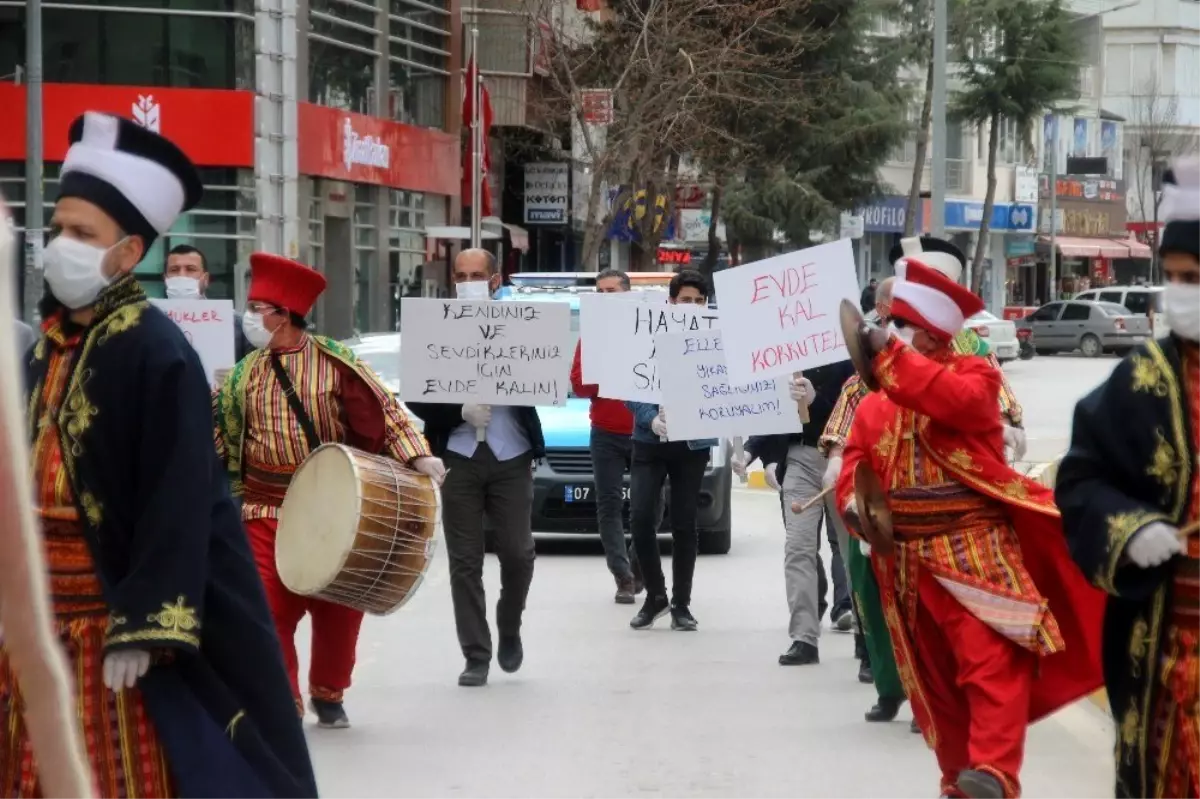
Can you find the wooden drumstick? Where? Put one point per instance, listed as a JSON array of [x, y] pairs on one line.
[[1188, 530], [799, 508], [801, 407]]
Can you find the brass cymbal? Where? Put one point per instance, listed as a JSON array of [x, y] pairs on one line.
[[874, 517], [856, 332]]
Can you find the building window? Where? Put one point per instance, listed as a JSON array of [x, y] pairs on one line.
[[406, 248], [365, 254], [343, 49], [316, 235], [171, 50], [418, 61]]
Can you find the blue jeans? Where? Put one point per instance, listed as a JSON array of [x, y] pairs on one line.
[[610, 462]]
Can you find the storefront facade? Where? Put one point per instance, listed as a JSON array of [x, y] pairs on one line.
[[213, 126], [883, 225], [1094, 249], [1009, 222], [372, 187]]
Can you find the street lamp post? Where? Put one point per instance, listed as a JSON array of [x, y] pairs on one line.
[[938, 178], [34, 234]]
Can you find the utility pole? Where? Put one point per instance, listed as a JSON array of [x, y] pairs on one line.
[[938, 183], [1051, 291], [34, 234], [476, 139]]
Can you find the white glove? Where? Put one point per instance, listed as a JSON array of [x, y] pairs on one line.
[[832, 471], [122, 669], [769, 475], [433, 468], [739, 463], [801, 391], [1153, 545], [478, 416], [1014, 442], [864, 548], [659, 425]]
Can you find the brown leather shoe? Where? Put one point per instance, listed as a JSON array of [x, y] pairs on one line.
[[625, 592]]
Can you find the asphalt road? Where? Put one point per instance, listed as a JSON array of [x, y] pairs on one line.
[[601, 710], [1048, 386]]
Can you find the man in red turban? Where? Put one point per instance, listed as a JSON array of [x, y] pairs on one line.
[[980, 595], [295, 392]]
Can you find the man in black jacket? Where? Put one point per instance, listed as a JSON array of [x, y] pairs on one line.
[[490, 453], [799, 467]]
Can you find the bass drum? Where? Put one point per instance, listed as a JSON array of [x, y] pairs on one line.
[[357, 529]]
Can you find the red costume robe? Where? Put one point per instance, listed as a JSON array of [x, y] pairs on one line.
[[993, 625], [262, 442]]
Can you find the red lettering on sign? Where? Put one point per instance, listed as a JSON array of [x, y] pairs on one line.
[[812, 344], [790, 282], [195, 317]]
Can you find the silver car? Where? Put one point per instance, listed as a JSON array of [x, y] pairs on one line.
[[1092, 328]]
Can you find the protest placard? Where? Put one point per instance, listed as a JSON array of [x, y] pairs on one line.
[[592, 308], [628, 365], [208, 326], [485, 352], [780, 315], [701, 403]]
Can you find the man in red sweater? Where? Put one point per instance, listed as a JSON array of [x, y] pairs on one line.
[[611, 445]]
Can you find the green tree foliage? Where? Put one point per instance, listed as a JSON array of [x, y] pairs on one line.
[[819, 149], [1022, 58]]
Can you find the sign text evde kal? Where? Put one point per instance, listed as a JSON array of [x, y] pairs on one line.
[[357, 148], [215, 127]]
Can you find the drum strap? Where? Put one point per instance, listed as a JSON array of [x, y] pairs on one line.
[[289, 391]]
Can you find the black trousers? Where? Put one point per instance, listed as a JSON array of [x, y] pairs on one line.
[[653, 463], [504, 491]]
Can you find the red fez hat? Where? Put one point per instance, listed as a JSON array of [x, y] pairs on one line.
[[284, 283], [933, 302]]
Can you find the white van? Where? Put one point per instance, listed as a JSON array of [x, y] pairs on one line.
[[1141, 300]]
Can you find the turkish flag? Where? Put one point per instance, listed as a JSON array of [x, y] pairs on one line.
[[485, 121]]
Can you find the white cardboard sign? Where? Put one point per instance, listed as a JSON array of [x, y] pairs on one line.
[[628, 362], [486, 352], [780, 315], [700, 402], [592, 311], [208, 326]]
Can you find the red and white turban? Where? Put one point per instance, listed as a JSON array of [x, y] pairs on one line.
[[927, 299]]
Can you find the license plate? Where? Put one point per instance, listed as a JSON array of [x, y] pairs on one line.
[[586, 494]]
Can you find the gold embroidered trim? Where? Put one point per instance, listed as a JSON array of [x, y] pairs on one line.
[[92, 509], [231, 727], [1016, 490], [1120, 526], [886, 446], [114, 621], [1148, 376], [1175, 398], [961, 459], [151, 636], [1164, 465], [176, 618]]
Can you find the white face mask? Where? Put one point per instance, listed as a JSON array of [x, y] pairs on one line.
[[183, 288], [256, 333], [75, 271], [905, 334], [473, 290], [1183, 310]]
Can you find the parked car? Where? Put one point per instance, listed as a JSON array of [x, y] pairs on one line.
[[1000, 335], [381, 352], [1091, 327], [1142, 300]]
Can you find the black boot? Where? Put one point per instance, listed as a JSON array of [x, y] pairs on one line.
[[980, 785], [885, 709], [860, 647], [865, 675]]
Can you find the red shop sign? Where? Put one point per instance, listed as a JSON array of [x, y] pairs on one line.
[[345, 146], [215, 127]]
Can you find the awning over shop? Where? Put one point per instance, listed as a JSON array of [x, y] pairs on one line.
[[1136, 248], [1079, 247]]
